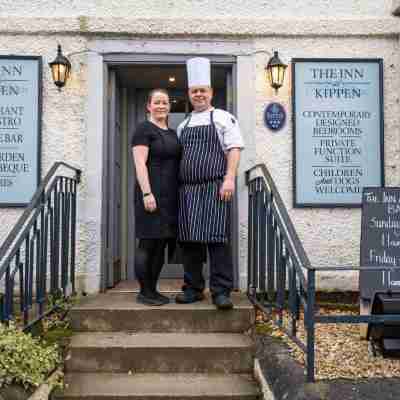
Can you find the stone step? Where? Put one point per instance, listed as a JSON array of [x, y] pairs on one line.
[[160, 352], [83, 386], [120, 312]]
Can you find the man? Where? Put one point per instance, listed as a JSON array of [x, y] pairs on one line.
[[211, 144]]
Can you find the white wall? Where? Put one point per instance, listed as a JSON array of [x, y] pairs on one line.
[[203, 8], [331, 236], [63, 116], [72, 129]]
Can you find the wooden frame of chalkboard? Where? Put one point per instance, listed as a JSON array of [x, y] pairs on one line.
[[307, 200], [380, 241], [39, 108]]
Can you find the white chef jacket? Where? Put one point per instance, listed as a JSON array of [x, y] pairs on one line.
[[226, 124]]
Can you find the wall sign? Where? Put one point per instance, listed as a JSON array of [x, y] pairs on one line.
[[274, 116], [380, 240], [20, 128], [338, 130]]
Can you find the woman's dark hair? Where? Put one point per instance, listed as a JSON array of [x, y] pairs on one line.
[[153, 92]]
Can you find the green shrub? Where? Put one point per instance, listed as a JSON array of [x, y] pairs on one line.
[[24, 359]]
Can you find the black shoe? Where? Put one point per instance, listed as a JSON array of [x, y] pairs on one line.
[[149, 300], [222, 301], [161, 297], [189, 296]]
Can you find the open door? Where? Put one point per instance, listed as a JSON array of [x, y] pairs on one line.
[[113, 218], [234, 233], [124, 102]]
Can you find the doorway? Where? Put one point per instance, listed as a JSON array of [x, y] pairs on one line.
[[127, 89]]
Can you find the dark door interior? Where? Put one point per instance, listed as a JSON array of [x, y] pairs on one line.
[[138, 80]]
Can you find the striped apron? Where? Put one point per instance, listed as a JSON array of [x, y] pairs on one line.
[[202, 214]]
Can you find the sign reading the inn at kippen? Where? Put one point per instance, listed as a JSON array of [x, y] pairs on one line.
[[20, 128], [338, 130]]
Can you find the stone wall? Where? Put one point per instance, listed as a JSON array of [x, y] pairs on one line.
[[202, 8], [337, 29], [330, 236], [63, 116]]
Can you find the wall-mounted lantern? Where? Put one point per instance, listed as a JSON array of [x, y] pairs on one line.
[[275, 71], [60, 69]]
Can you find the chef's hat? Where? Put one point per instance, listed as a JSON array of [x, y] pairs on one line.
[[198, 71]]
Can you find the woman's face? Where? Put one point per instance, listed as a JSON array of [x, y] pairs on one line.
[[159, 106]]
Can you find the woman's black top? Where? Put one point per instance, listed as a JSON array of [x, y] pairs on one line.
[[163, 167]]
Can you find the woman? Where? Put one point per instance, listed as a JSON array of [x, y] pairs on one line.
[[156, 153]]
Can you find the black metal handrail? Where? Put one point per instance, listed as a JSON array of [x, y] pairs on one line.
[[41, 247], [280, 275]]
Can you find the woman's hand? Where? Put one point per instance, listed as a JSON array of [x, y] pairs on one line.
[[150, 203]]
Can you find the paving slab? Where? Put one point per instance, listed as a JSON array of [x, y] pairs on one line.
[[120, 312], [160, 352], [158, 386], [128, 301]]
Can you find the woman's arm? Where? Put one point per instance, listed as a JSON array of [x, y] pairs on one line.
[[140, 154]]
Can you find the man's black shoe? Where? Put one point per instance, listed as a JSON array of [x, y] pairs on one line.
[[149, 300], [189, 296], [161, 297], [223, 302]]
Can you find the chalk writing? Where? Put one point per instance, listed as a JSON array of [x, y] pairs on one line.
[[380, 239]]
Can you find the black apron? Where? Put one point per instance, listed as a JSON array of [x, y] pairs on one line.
[[202, 214], [163, 169]]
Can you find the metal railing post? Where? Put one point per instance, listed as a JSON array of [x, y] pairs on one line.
[[73, 234], [263, 238], [270, 247], [310, 325], [250, 243], [256, 235]]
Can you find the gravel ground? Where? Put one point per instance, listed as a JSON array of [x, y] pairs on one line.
[[341, 353]]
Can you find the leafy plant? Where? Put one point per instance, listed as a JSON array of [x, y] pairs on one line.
[[24, 359]]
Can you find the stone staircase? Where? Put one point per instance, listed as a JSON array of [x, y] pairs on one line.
[[124, 350]]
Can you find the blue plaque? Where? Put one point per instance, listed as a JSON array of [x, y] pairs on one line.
[[20, 128], [274, 116], [338, 130]]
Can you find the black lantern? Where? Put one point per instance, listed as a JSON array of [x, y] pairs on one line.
[[60, 69], [275, 71]]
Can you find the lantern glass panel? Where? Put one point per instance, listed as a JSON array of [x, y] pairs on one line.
[[60, 73], [275, 76], [281, 75], [269, 75], [54, 71]]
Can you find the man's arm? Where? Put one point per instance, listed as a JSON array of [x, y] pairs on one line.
[[228, 185]]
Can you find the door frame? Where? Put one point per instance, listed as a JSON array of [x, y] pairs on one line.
[[118, 59]]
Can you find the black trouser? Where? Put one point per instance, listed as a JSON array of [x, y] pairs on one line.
[[149, 260], [221, 267]]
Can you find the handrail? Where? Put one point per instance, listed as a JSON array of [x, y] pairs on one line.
[[36, 199], [301, 253], [276, 264], [305, 262], [40, 249]]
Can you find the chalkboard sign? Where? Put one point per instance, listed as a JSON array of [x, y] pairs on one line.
[[380, 240]]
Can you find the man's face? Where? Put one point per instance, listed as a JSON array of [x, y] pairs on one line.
[[200, 97]]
